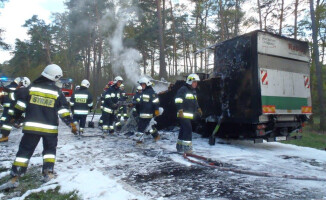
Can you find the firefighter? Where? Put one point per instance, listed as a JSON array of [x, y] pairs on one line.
[[123, 107], [81, 103], [135, 101], [110, 106], [6, 103], [42, 103], [100, 123], [148, 108], [7, 125], [187, 107]]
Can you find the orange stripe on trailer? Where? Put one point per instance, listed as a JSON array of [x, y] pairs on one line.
[[269, 109], [306, 109]]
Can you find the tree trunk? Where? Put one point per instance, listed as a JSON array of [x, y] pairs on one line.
[[221, 15], [162, 72], [236, 20], [296, 18], [318, 67], [48, 53], [88, 65], [259, 12], [175, 59], [144, 59], [281, 18], [152, 62]]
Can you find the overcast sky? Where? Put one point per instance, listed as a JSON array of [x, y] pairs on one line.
[[14, 14]]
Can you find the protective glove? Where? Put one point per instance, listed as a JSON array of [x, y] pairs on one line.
[[157, 113], [73, 128], [200, 112], [180, 113]]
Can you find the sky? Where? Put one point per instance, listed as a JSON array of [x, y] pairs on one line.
[[14, 14]]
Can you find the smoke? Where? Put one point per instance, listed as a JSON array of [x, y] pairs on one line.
[[125, 60]]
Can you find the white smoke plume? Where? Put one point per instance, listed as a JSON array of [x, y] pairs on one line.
[[124, 59]]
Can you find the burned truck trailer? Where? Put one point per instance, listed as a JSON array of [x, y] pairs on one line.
[[260, 88]]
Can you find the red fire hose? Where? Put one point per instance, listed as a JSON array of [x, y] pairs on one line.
[[216, 165]]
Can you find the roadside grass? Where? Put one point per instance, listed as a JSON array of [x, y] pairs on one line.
[[310, 138], [33, 180], [53, 194]]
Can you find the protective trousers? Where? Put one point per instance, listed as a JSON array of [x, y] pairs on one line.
[[6, 125], [26, 149], [81, 119], [184, 143], [4, 115], [142, 125], [108, 121]]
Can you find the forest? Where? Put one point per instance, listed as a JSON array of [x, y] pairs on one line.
[[164, 39]]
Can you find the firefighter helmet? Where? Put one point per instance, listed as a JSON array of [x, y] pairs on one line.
[[145, 80], [191, 78], [139, 88], [116, 79], [85, 83], [52, 72], [18, 80], [26, 82], [77, 87]]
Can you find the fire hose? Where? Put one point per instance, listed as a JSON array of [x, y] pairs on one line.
[[217, 165]]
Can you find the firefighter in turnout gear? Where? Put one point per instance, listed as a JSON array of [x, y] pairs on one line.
[[187, 107], [81, 103], [9, 121], [110, 106], [100, 123], [148, 106], [135, 101], [7, 99], [42, 103], [123, 107]]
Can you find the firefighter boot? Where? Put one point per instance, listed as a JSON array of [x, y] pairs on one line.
[[4, 138], [188, 149], [180, 148], [155, 134], [81, 131], [12, 183], [48, 176]]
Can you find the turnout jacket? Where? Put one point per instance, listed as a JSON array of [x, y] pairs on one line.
[[186, 100], [42, 102], [135, 101], [8, 96], [81, 101], [111, 98], [148, 103]]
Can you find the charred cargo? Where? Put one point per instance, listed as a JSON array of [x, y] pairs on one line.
[[260, 87]]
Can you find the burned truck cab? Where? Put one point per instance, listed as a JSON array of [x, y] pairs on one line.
[[260, 87]]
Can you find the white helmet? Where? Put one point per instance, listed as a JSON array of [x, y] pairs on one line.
[[18, 80], [52, 72], [77, 87], [85, 83], [145, 80], [191, 78], [139, 88], [116, 79], [26, 82]]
